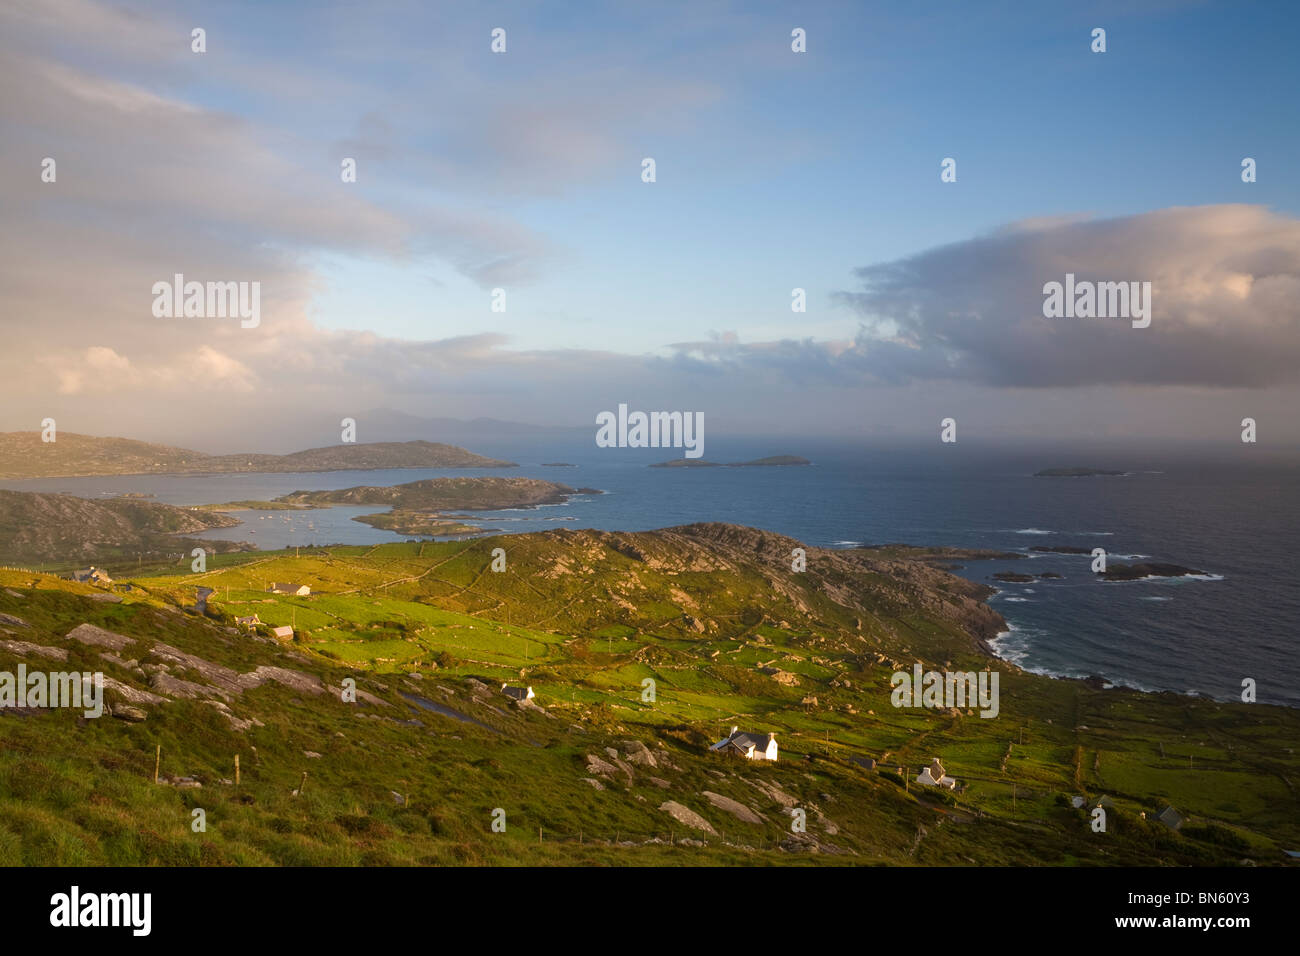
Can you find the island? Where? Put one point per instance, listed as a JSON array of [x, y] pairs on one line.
[[1139, 572], [420, 508]]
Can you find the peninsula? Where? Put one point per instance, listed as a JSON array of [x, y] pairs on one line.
[[25, 455]]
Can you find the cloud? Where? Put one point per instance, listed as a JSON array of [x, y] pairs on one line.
[[178, 172], [102, 372], [1225, 287]]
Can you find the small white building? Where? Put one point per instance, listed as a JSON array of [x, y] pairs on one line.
[[285, 632], [92, 575], [750, 746], [301, 590], [518, 693], [935, 776]]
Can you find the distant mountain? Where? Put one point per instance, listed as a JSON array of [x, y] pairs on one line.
[[40, 528], [24, 455]]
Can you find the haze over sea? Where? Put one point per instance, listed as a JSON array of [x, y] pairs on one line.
[[1234, 517]]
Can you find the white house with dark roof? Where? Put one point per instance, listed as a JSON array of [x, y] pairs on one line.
[[92, 575], [935, 776], [750, 746], [301, 590], [520, 694]]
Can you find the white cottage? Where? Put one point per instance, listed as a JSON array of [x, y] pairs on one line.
[[301, 590], [935, 776], [750, 746]]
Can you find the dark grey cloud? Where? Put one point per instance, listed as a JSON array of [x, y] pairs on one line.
[[1225, 288]]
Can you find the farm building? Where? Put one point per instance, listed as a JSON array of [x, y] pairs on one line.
[[518, 693], [1171, 818], [750, 746], [285, 632], [935, 776], [91, 575], [301, 590]]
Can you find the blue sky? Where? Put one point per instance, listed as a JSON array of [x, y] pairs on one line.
[[796, 175]]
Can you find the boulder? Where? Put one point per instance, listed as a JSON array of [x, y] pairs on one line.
[[638, 753], [98, 637], [734, 807], [687, 816], [26, 649]]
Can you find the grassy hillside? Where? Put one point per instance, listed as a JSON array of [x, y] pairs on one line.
[[712, 614], [24, 455]]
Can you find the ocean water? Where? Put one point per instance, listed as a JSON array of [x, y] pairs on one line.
[[1235, 517]]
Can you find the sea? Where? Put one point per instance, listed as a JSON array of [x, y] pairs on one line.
[[1233, 515]]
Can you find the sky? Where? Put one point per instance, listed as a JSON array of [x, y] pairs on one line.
[[522, 171]]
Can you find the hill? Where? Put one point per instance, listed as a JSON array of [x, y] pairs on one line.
[[37, 528], [24, 455], [642, 648]]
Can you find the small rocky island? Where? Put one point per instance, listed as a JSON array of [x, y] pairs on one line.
[[1138, 572]]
